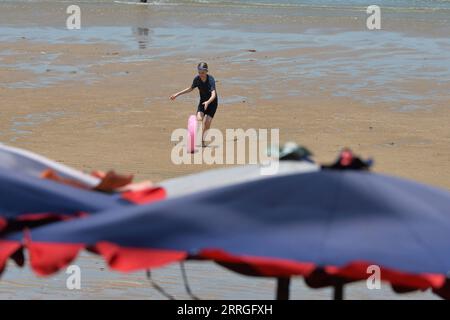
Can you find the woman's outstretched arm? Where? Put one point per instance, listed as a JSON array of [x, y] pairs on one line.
[[187, 90]]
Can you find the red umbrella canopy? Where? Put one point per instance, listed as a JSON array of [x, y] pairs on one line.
[[327, 226]]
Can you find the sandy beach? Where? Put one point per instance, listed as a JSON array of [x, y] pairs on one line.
[[98, 98]]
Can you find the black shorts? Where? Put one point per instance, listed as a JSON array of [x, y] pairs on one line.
[[210, 111]]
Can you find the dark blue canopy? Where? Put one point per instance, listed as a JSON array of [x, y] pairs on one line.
[[22, 194], [337, 222]]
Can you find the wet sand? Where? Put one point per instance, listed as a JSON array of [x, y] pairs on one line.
[[98, 99]]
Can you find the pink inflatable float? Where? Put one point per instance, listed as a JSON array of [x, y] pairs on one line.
[[192, 129]]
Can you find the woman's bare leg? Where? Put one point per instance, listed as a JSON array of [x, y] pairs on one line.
[[200, 117], [206, 126]]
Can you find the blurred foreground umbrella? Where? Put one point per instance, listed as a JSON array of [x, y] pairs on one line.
[[215, 178], [23, 161], [28, 200], [327, 226], [35, 190]]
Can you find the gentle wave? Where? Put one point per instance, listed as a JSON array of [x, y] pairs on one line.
[[396, 5], [299, 6]]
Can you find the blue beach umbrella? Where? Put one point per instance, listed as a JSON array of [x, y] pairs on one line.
[[33, 164], [327, 226], [228, 176], [27, 198]]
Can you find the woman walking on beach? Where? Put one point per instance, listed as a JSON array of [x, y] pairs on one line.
[[208, 96]]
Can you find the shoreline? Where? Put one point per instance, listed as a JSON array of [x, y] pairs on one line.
[[119, 94]]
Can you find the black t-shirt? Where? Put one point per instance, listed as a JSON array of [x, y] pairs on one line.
[[204, 88]]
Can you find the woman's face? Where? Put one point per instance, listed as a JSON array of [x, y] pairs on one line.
[[202, 74]]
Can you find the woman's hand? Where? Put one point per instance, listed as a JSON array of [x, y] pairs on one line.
[[173, 97], [206, 104]]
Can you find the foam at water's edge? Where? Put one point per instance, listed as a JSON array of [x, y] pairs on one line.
[[402, 5]]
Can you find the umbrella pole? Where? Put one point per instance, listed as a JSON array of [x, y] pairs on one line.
[[283, 288], [338, 292]]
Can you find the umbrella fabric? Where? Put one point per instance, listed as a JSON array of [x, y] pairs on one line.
[[23, 161], [216, 178], [328, 223], [26, 198]]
